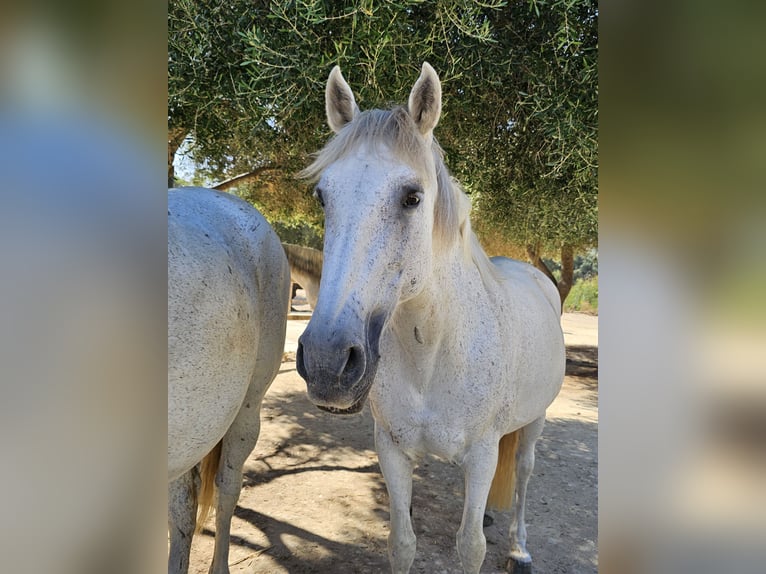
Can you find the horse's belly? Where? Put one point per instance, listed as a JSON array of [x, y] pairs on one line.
[[199, 414], [212, 350], [448, 422]]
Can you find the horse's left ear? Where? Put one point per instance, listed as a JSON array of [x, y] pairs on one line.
[[339, 101], [425, 103]]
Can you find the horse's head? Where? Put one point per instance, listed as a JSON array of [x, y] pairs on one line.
[[377, 182]]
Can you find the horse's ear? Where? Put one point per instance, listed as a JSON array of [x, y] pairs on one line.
[[339, 101], [425, 103]]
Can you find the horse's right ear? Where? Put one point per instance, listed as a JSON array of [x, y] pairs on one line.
[[339, 101]]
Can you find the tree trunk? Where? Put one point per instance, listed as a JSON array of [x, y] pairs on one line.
[[176, 137], [567, 269], [567, 272], [533, 252]]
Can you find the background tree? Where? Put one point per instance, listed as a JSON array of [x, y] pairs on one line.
[[545, 193], [234, 136], [520, 98]]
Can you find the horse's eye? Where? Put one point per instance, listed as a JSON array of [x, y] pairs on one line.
[[412, 199], [318, 195]]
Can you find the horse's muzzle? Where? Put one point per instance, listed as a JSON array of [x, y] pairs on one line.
[[339, 369]]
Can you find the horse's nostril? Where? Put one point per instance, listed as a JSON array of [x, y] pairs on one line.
[[354, 367], [326, 368], [299, 366], [353, 356]]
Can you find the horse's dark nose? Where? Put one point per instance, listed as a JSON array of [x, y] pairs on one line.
[[331, 370], [341, 367]]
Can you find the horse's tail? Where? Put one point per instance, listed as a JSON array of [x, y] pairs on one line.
[[501, 493], [206, 493]]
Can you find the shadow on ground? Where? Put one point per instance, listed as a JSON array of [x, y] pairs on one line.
[[582, 362], [314, 500]]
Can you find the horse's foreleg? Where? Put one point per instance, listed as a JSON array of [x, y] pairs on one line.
[[182, 517], [397, 472], [519, 558], [479, 468]]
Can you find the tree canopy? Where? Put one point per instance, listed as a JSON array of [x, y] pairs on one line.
[[519, 79]]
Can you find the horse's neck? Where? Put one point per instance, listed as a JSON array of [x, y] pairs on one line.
[[454, 298]]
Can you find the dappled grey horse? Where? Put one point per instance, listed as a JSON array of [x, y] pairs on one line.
[[228, 289], [305, 269], [459, 355]]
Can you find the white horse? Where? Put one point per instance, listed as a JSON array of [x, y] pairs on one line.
[[459, 355], [305, 269], [228, 288]]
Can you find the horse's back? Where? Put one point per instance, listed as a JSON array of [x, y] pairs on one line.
[[521, 274], [227, 285]]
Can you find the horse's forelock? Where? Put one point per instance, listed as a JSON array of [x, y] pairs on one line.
[[396, 130], [393, 128]]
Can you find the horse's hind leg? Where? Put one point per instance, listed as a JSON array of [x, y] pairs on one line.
[[182, 516], [238, 443], [520, 561]]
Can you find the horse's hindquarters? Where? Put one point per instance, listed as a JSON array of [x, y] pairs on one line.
[[211, 357], [227, 283]]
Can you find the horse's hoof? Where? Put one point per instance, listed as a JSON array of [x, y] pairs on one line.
[[488, 520], [516, 567]]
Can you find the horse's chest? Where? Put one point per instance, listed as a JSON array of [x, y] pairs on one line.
[[439, 403], [418, 426]]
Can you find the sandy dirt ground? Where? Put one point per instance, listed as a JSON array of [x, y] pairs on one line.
[[314, 500]]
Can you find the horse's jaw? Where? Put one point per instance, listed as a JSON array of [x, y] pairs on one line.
[[364, 386], [352, 410]]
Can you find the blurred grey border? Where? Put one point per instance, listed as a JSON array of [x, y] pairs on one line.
[[682, 382], [82, 286]]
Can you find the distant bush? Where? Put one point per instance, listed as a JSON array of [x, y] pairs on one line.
[[585, 265], [299, 233], [583, 297]]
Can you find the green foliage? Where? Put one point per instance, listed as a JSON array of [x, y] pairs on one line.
[[544, 190], [379, 45], [583, 297], [299, 233], [519, 81], [281, 198]]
